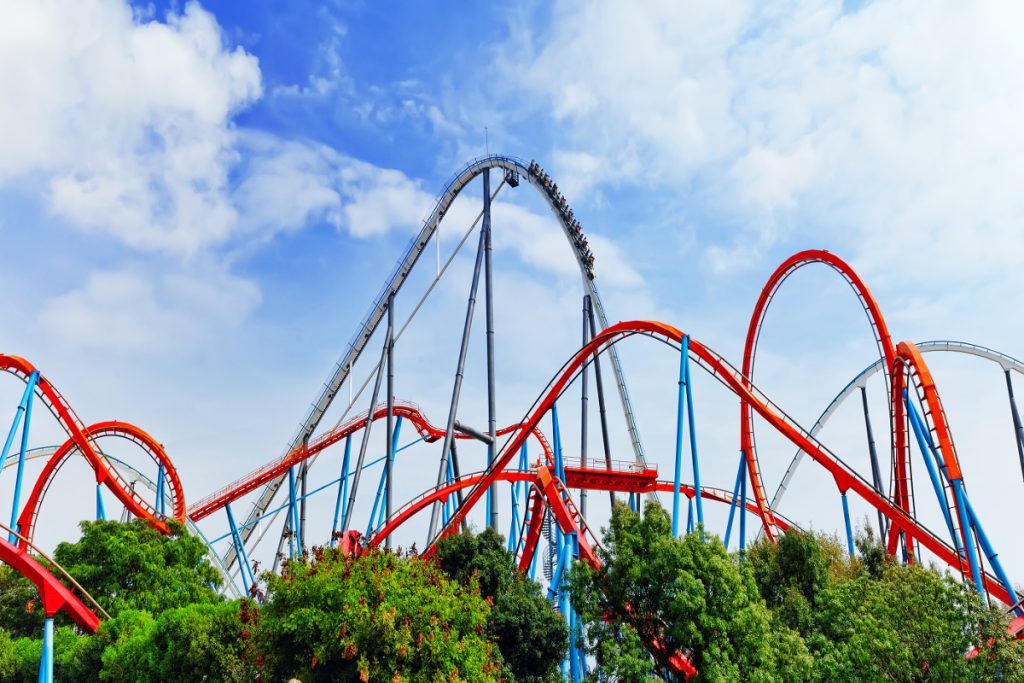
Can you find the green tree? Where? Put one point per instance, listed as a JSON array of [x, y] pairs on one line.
[[868, 618], [910, 623], [687, 595], [181, 645], [21, 611], [133, 566], [791, 573], [8, 659], [531, 636], [377, 617], [19, 658]]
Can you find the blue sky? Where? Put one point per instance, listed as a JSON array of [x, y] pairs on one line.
[[200, 200]]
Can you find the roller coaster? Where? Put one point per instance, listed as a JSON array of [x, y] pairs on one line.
[[547, 522]]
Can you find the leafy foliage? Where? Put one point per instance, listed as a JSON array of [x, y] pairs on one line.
[[531, 636], [872, 619], [687, 595], [192, 643], [21, 612], [378, 617], [133, 566], [795, 610]]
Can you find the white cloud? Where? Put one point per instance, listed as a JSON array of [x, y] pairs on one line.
[[127, 123], [285, 184], [539, 241], [131, 311], [892, 131], [378, 199], [328, 76]]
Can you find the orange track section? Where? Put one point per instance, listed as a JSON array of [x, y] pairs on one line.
[[124, 430], [105, 472], [275, 468], [787, 268]]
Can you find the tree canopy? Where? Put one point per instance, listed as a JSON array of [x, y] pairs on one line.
[[688, 595], [798, 609], [133, 566], [376, 617], [795, 610], [530, 635]]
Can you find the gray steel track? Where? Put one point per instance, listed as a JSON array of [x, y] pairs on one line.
[[341, 370]]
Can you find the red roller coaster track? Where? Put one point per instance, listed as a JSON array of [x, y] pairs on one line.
[[123, 430], [250, 482], [79, 437]]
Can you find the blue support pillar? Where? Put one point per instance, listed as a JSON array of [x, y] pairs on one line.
[[101, 512], [513, 534], [740, 471], [965, 526], [46, 660], [680, 400], [559, 467], [160, 504], [689, 515], [533, 563], [24, 408], [452, 498], [339, 504], [555, 592], [380, 500], [991, 554], [924, 443], [743, 508], [556, 433], [244, 566], [693, 435], [849, 529], [574, 662], [447, 505], [581, 649], [293, 513]]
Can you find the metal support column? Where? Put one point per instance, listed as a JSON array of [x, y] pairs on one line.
[[159, 502], [583, 400], [24, 408], [303, 473], [492, 425], [600, 396], [928, 453], [389, 463], [965, 526], [740, 473], [556, 435], [693, 435], [342, 489], [678, 472], [513, 534], [457, 473], [743, 508], [449, 434], [293, 515], [876, 472], [993, 556], [46, 659], [849, 529], [1018, 429], [379, 503], [101, 512], [244, 567], [364, 442]]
